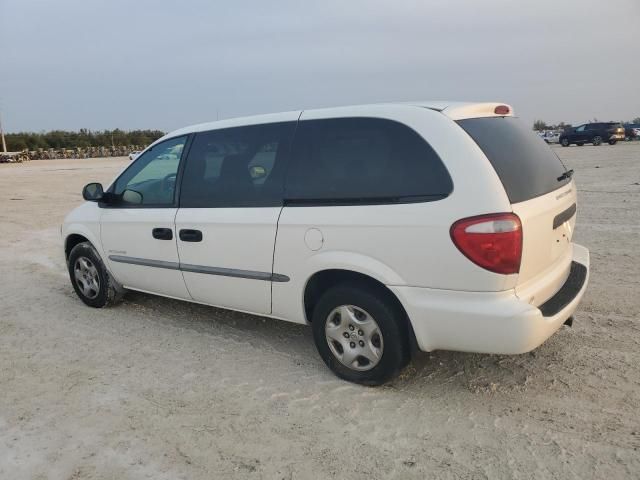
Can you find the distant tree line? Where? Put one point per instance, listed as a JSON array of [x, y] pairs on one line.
[[61, 139], [540, 125]]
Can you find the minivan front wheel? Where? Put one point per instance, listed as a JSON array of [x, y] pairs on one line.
[[360, 335], [90, 278]]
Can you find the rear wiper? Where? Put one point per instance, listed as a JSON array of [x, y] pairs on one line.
[[565, 175]]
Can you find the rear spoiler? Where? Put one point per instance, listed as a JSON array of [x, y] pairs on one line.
[[477, 110]]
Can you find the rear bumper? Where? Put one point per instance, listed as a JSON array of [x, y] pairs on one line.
[[491, 322]]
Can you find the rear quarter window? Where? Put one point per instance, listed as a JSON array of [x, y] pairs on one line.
[[363, 160], [526, 165]]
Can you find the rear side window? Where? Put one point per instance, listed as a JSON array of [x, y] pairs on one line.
[[363, 160], [237, 167], [525, 164]]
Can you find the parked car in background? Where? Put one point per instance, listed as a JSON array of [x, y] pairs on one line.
[[631, 131], [550, 136], [133, 155], [594, 133], [386, 228]]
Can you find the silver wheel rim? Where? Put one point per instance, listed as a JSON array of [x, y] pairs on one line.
[[565, 142], [354, 337], [86, 277], [597, 140]]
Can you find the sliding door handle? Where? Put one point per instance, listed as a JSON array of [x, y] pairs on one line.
[[162, 233], [187, 235]]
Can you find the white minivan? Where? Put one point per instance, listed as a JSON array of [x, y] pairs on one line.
[[387, 228]]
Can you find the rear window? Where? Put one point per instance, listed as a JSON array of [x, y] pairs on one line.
[[525, 164], [363, 160]]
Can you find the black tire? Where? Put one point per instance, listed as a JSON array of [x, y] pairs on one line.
[[612, 142], [390, 320], [597, 140], [565, 142], [108, 292], [580, 144]]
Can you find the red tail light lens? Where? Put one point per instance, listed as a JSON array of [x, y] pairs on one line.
[[493, 242]]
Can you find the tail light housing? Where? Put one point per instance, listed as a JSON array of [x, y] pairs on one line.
[[493, 242]]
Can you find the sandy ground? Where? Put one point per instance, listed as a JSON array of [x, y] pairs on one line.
[[161, 389]]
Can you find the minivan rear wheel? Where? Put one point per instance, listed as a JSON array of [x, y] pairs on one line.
[[564, 142], [360, 334], [597, 140]]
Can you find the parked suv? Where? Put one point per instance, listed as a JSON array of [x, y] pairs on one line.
[[594, 133], [386, 228]]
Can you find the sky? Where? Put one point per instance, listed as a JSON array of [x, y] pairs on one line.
[[102, 64]]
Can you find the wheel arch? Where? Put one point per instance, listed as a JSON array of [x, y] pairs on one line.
[[71, 241], [322, 280], [75, 233]]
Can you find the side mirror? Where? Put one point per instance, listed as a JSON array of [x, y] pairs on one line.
[[93, 192]]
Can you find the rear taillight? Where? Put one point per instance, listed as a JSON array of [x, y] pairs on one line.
[[491, 241]]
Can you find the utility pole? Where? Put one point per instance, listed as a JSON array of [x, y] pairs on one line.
[[4, 144]]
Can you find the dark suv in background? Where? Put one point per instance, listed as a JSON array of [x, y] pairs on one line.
[[594, 133]]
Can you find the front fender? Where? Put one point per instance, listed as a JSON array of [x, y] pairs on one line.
[[85, 221]]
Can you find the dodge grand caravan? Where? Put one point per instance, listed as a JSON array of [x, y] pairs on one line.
[[385, 227]]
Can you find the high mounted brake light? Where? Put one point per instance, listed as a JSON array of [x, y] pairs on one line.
[[501, 110], [493, 242]]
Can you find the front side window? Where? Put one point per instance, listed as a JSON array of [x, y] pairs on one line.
[[151, 179], [363, 160], [237, 167]]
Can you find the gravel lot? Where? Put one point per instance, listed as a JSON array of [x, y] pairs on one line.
[[157, 388]]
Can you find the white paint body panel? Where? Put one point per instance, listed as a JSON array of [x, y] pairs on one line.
[[234, 238], [127, 232], [85, 221], [546, 252]]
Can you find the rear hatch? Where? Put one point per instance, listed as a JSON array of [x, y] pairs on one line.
[[541, 193]]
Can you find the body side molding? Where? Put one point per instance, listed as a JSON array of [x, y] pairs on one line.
[[225, 272]]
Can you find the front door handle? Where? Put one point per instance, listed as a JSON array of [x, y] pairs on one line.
[[162, 233], [187, 235]]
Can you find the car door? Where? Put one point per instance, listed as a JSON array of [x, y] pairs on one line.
[[592, 130], [579, 134], [230, 201], [137, 227]]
